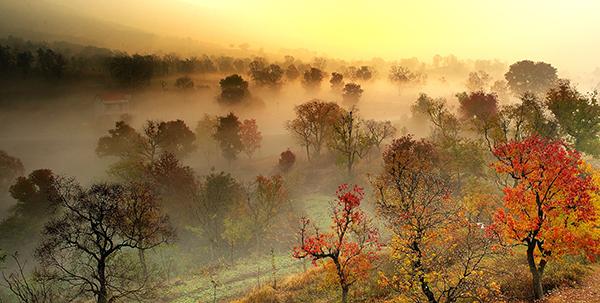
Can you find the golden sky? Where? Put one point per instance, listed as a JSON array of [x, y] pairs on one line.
[[567, 32]]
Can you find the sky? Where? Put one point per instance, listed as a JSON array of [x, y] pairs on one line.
[[563, 32]]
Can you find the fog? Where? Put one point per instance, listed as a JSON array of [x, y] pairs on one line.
[[200, 151]]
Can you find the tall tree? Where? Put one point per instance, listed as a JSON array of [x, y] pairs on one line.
[[313, 124], [228, 136], [349, 139], [437, 248], [548, 210]]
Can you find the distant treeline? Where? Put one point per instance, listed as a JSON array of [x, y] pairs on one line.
[[21, 59]]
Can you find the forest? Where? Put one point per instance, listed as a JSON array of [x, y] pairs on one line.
[[218, 177]]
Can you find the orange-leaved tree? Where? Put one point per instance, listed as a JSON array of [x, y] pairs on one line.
[[548, 209], [352, 244]]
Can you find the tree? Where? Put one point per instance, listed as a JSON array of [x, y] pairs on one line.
[[337, 80], [205, 131], [349, 140], [548, 209], [175, 137], [184, 83], [313, 124], [437, 247], [364, 73], [352, 92], [228, 136], [402, 75], [10, 168], [131, 71], [265, 74], [36, 194], [50, 64], [578, 116], [25, 62], [250, 137], [123, 141], [350, 247], [173, 182], [286, 160], [265, 205], [312, 78], [477, 105], [82, 246], [234, 89], [478, 81], [217, 194], [500, 88], [528, 76], [292, 72], [379, 131]]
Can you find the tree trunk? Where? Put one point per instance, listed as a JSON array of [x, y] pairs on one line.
[[537, 272], [102, 289], [345, 294], [142, 257]]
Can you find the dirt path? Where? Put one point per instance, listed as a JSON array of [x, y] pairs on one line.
[[588, 292]]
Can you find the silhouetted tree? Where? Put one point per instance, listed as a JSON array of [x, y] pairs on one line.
[[234, 89], [352, 92], [292, 72], [50, 64], [337, 80], [478, 81], [228, 136], [286, 160], [313, 78], [82, 246], [36, 194], [10, 168], [528, 76], [132, 71], [313, 124]]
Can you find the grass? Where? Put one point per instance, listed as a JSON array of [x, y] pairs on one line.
[[237, 279]]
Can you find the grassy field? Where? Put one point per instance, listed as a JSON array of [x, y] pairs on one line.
[[240, 277]]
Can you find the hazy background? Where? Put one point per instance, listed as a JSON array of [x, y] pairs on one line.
[[561, 32]]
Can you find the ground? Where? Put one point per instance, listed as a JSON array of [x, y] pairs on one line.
[[588, 292]]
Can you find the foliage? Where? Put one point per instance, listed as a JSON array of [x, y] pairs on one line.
[[336, 80], [349, 139], [478, 81], [286, 160], [530, 77], [216, 196], [228, 136], [352, 92], [250, 137], [131, 71], [312, 78], [98, 224], [437, 245], [265, 74], [36, 194], [578, 116], [234, 89], [313, 124], [478, 105], [10, 168], [549, 208], [402, 75]]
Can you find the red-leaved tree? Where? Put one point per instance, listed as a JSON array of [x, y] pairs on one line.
[[548, 209], [350, 246]]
